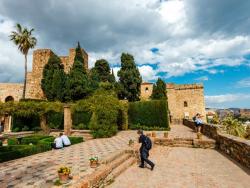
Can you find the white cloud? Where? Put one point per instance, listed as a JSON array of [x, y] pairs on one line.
[[227, 100], [244, 83], [147, 73], [202, 78]]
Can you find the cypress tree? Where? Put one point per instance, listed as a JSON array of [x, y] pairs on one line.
[[112, 77], [159, 90], [129, 79], [53, 80], [77, 86], [79, 56]]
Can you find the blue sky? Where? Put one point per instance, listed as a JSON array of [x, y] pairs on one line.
[[181, 41]]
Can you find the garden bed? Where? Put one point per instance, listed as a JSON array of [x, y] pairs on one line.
[[29, 145]]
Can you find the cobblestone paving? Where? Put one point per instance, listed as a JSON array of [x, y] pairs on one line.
[[185, 168], [40, 170]]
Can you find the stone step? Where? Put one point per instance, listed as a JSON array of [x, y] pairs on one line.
[[116, 172], [180, 142], [117, 162], [112, 157], [182, 145]]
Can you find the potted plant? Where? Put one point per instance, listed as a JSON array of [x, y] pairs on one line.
[[63, 173], [131, 142], [199, 135], [93, 161], [165, 134]]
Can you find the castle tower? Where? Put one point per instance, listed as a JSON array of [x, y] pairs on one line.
[[40, 59]]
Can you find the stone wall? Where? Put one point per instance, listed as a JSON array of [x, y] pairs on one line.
[[11, 89], [236, 147], [40, 59], [191, 94]]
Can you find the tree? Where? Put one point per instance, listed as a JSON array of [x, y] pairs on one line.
[[77, 85], [159, 90], [24, 40], [79, 56], [129, 79], [53, 80], [112, 77], [101, 71], [233, 126]]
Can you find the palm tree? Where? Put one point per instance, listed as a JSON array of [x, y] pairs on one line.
[[233, 126], [24, 40]]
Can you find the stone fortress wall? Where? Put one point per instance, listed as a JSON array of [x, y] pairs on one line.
[[184, 100], [10, 90], [33, 90]]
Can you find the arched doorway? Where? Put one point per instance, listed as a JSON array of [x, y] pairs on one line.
[[9, 99]]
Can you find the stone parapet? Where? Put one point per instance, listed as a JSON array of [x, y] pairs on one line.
[[236, 147]]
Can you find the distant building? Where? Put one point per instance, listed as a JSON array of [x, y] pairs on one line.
[[184, 100]]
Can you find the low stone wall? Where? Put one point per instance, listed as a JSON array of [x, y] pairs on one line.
[[236, 147]]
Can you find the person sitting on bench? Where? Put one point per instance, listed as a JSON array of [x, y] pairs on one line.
[[66, 141], [58, 142]]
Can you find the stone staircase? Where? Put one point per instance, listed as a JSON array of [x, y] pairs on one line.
[[185, 142], [108, 170]]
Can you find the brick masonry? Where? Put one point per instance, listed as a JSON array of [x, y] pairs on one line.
[[236, 147], [191, 94]]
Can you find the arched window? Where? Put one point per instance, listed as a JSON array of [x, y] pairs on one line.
[[146, 89], [185, 104], [9, 99]]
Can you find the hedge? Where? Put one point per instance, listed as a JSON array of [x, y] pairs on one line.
[[81, 119], [17, 151], [41, 144], [55, 120], [148, 113], [145, 128], [22, 123], [33, 139]]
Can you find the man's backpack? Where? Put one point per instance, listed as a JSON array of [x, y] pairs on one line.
[[194, 118], [148, 143]]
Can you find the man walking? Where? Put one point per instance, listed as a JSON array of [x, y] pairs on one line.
[[146, 145]]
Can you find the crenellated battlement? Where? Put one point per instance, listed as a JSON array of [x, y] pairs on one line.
[[184, 86]]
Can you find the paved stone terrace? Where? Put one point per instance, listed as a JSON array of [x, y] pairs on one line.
[[185, 168], [40, 170], [198, 167]]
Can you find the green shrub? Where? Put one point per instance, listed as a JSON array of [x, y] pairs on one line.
[[36, 129], [150, 128], [21, 123], [17, 151], [12, 141], [55, 120], [16, 129], [25, 128], [105, 108], [33, 139], [81, 126], [81, 117], [149, 113], [75, 140]]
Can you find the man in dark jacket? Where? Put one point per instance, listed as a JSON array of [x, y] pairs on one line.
[[144, 152]]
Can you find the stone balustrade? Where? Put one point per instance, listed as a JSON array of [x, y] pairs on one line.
[[236, 147]]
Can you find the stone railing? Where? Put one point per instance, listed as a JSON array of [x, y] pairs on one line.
[[236, 147]]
